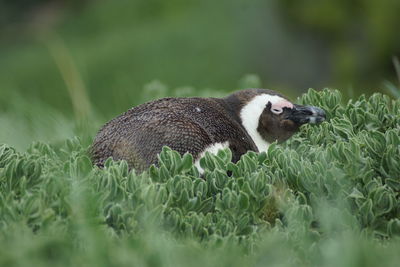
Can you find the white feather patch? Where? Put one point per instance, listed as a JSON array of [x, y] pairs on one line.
[[213, 149], [251, 112]]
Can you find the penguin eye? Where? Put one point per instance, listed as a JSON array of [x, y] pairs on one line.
[[277, 110]]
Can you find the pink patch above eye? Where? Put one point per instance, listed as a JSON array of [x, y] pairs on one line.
[[278, 106]]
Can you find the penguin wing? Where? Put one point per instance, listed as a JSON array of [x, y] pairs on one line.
[[139, 141]]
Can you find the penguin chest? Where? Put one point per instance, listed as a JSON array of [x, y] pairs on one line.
[[212, 149]]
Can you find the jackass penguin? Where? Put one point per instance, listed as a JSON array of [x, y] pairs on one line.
[[246, 120]]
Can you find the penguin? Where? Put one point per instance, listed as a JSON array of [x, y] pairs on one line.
[[246, 120]]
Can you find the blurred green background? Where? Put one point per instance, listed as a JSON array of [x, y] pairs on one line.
[[67, 66]]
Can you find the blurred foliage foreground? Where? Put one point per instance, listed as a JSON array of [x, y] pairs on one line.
[[328, 197]]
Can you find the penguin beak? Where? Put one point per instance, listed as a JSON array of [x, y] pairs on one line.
[[307, 114]]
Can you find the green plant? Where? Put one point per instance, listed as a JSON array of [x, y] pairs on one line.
[[329, 196]]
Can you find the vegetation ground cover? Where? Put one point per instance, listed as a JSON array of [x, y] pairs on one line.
[[327, 197]]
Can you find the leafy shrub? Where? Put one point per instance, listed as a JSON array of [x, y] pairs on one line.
[[335, 184]]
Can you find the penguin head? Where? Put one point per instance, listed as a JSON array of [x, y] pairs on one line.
[[268, 116], [279, 120]]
